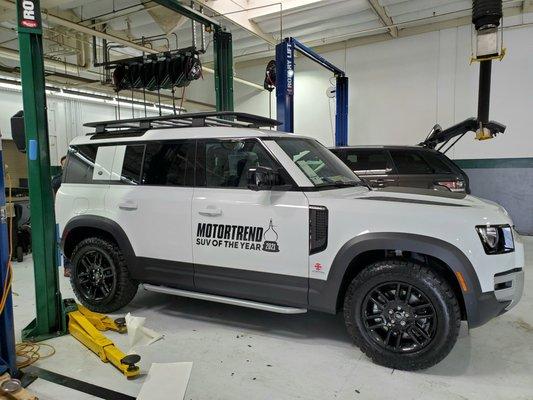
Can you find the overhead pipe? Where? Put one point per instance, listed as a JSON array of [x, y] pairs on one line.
[[483, 98], [486, 15], [11, 54], [95, 55], [83, 52], [105, 58], [81, 28]]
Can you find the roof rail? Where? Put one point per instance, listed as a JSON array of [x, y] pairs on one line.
[[220, 118]]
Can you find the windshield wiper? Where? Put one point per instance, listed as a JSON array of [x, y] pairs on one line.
[[363, 183], [337, 183]]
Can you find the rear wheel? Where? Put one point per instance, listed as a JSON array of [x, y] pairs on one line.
[[99, 276], [402, 315]]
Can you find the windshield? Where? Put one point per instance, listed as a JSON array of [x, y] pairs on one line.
[[320, 165]]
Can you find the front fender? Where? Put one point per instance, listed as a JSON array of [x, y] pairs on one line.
[[323, 295]]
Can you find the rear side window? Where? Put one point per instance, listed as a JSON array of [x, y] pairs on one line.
[[169, 164], [435, 161], [80, 164], [410, 162], [368, 161]]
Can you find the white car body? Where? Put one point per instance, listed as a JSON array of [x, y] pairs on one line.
[[162, 225]]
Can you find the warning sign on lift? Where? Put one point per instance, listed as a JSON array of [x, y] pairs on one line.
[[29, 14]]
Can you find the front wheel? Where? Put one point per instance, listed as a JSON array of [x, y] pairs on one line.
[[402, 315], [99, 276]]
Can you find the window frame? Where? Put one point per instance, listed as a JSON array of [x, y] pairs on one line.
[[120, 181], [90, 181], [388, 156], [191, 166], [198, 174], [427, 154], [411, 152], [200, 180], [312, 188]]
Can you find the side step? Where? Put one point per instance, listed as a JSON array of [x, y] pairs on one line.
[[225, 300]]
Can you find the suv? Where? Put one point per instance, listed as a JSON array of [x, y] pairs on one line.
[[216, 209], [411, 166]]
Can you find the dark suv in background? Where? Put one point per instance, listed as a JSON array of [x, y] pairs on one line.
[[410, 166]]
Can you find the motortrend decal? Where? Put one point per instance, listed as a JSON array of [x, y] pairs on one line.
[[238, 237], [271, 239]]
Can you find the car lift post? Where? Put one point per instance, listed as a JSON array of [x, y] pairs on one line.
[[223, 52], [285, 84], [285, 67], [51, 312], [7, 331], [223, 70], [50, 316]]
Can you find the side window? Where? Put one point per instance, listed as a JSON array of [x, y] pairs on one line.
[[436, 163], [169, 164], [227, 162], [370, 162], [410, 162], [80, 163], [131, 167]]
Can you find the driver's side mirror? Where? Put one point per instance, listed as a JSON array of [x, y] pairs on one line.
[[261, 178]]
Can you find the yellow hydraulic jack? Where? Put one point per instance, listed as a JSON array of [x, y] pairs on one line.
[[86, 326]]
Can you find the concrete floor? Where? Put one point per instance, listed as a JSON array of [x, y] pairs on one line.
[[247, 354]]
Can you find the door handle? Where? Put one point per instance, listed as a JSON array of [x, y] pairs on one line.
[[127, 205], [210, 212]]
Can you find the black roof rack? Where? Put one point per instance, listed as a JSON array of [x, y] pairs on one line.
[[138, 126]]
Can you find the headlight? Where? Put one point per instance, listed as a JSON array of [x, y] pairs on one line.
[[496, 239]]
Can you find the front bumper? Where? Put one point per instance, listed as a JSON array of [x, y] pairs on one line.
[[508, 289], [509, 286]]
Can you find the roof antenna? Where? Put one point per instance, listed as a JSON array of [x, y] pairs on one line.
[[132, 111]]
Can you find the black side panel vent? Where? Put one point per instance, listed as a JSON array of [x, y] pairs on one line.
[[318, 229]]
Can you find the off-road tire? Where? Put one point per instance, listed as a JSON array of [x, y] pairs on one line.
[[432, 285], [124, 289]]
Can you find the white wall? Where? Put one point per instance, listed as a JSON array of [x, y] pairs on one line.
[[311, 105], [65, 118], [400, 88]]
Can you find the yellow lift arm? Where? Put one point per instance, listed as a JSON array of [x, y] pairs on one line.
[[86, 326]]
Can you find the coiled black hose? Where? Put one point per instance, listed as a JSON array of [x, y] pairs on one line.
[[486, 13]]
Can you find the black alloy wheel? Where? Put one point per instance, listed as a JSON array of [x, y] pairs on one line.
[[99, 275], [96, 275], [402, 314], [399, 317]]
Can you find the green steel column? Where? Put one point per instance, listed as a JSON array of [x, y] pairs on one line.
[[223, 70], [49, 319]]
